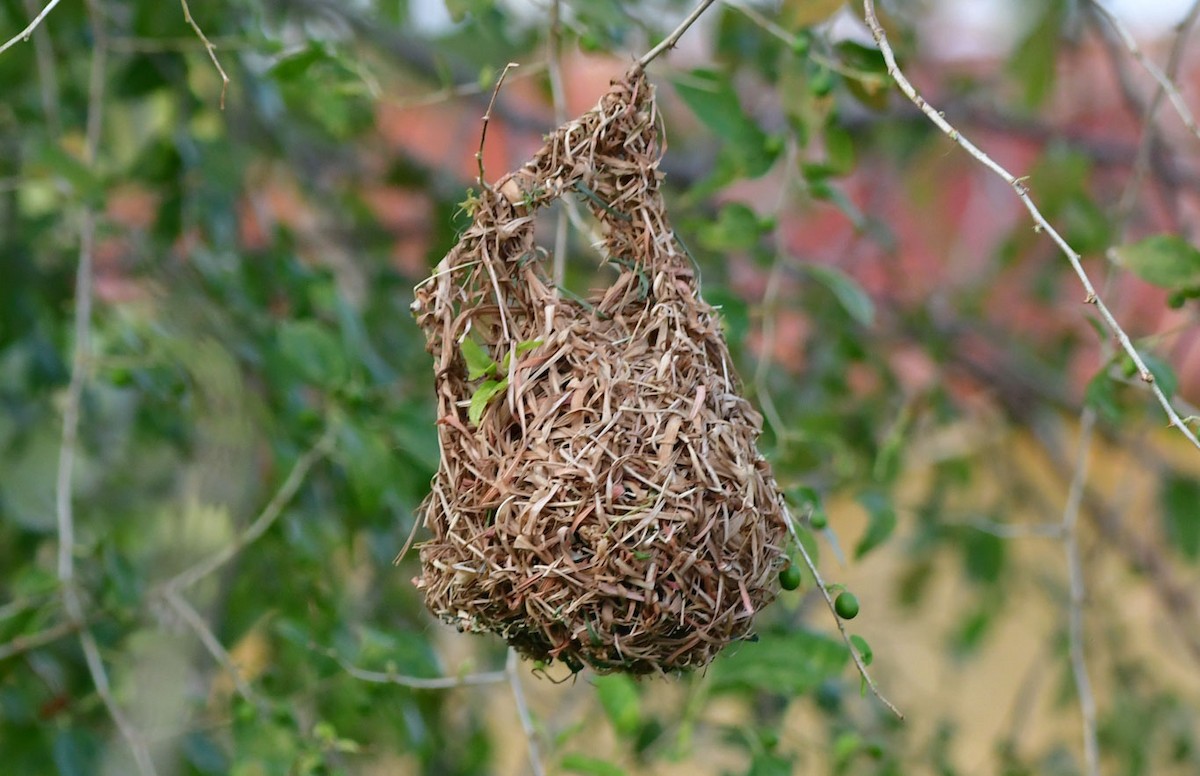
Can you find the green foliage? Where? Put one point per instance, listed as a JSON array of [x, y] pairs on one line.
[[253, 268], [1181, 517], [1166, 260]]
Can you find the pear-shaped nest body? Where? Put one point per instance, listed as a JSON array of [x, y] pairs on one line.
[[600, 499]]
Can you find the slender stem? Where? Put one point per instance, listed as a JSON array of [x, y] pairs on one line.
[[64, 485], [487, 117], [265, 519], [1078, 592], [209, 47], [34, 640], [416, 682], [210, 641], [1145, 149], [514, 681], [670, 41], [1041, 224], [1165, 84], [558, 95], [858, 661], [24, 34]]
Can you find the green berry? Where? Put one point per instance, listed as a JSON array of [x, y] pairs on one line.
[[1176, 300], [846, 605], [821, 82], [818, 521], [789, 577]]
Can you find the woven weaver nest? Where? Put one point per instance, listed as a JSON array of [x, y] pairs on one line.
[[600, 499]]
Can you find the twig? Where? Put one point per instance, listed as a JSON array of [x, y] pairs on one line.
[[209, 47], [1070, 539], [770, 304], [670, 41], [558, 97], [514, 681], [24, 34], [266, 518], [1008, 531], [64, 485], [1146, 144], [1165, 84], [1156, 158], [33, 641], [212, 644], [487, 117], [47, 76], [415, 682], [858, 662], [1041, 224], [467, 89]]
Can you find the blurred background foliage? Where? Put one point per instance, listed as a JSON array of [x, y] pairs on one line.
[[254, 389]]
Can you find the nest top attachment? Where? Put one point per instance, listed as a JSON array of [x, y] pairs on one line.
[[600, 499]]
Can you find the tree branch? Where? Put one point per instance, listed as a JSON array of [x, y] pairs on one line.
[[209, 47], [858, 661], [24, 34], [1041, 224], [265, 519], [1078, 591], [670, 41]]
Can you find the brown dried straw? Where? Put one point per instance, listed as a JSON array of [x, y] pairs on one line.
[[600, 498]]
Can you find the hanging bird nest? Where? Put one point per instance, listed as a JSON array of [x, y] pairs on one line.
[[600, 499]]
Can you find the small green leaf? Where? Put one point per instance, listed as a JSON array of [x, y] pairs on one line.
[[589, 766], [849, 293], [863, 649], [619, 697], [1164, 260], [984, 555], [522, 348], [791, 662], [771, 764], [315, 352], [479, 363], [1101, 395], [1180, 498], [737, 228], [713, 99], [881, 521], [484, 394], [1164, 375], [1032, 62], [799, 14]]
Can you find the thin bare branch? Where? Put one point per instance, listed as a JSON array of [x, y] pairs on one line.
[[1041, 224], [24, 34], [487, 117], [209, 47], [467, 89], [670, 41], [212, 644], [1145, 149], [1010, 531], [1078, 592], [1165, 84], [64, 485], [514, 681], [415, 682], [47, 75], [558, 96], [34, 640], [858, 661], [261, 523]]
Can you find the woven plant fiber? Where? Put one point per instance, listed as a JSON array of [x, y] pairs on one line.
[[600, 499]]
